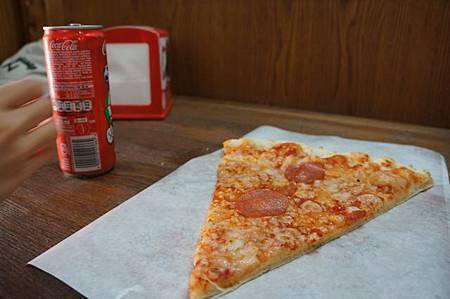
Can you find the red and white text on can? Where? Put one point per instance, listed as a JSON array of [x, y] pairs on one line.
[[78, 84], [161, 95]]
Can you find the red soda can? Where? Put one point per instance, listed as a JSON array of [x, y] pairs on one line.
[[78, 85]]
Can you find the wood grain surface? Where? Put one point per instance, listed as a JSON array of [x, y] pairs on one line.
[[11, 30], [381, 59], [50, 207]]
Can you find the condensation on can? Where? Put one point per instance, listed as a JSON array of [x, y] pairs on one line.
[[78, 84]]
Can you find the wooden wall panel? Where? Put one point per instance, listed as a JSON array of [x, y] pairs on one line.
[[11, 30], [383, 59]]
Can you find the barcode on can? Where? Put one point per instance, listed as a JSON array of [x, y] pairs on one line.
[[85, 155]]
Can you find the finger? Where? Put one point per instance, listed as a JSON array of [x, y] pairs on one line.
[[17, 93], [32, 114], [25, 145], [17, 122], [42, 136]]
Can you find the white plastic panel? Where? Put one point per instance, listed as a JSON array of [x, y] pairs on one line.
[[129, 73]]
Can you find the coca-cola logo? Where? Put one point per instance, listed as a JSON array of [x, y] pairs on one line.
[[67, 45]]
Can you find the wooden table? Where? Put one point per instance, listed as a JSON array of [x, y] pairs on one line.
[[50, 207]]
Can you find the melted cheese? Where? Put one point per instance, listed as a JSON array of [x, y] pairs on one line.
[[232, 244]]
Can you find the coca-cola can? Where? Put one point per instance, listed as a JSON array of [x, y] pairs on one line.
[[78, 85]]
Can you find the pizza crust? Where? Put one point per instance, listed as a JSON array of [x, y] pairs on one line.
[[203, 288]]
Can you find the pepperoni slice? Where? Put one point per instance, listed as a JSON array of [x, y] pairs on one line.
[[261, 202], [306, 172]]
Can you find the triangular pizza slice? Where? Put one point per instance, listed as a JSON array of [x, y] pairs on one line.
[[275, 201]]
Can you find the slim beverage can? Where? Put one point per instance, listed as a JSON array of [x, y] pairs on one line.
[[78, 85]]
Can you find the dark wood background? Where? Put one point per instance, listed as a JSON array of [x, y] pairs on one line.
[[11, 30], [382, 59]]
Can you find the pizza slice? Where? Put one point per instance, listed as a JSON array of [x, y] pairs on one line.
[[276, 201]]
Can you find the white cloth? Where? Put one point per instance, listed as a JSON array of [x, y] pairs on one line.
[[28, 61]]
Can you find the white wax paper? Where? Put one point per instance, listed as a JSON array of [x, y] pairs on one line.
[[144, 247]]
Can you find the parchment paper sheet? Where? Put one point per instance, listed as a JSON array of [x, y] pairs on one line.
[[144, 247]]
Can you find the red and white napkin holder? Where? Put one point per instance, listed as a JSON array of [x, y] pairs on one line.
[[138, 79]]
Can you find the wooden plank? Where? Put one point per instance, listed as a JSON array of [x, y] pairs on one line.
[[54, 10], [38, 13], [380, 59], [11, 33], [41, 214]]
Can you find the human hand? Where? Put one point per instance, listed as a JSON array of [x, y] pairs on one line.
[[27, 132]]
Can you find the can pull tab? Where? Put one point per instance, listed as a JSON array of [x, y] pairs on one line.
[[75, 24]]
